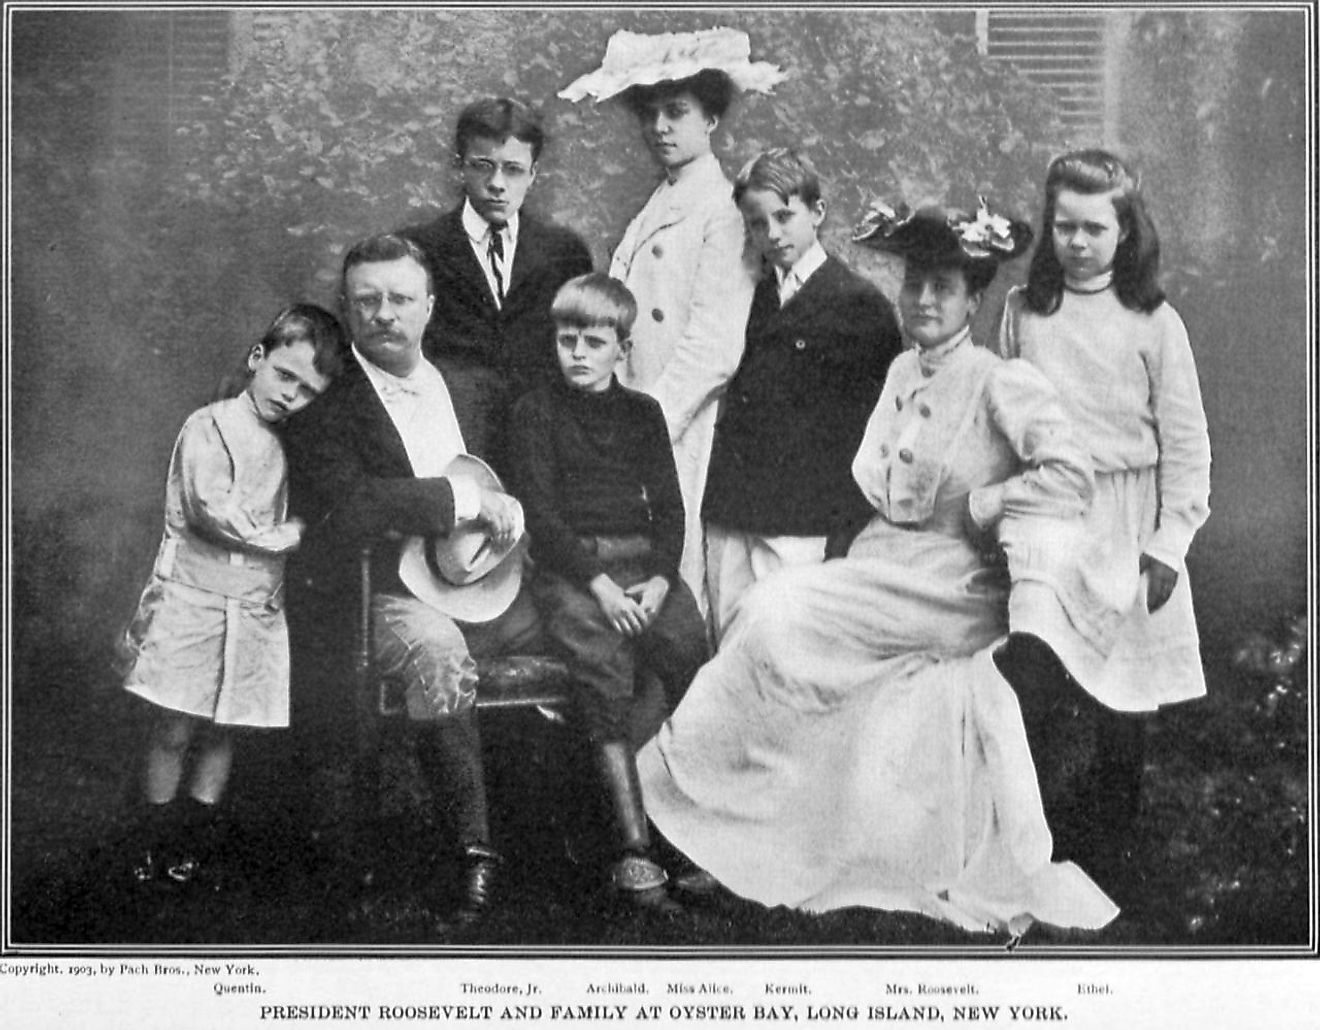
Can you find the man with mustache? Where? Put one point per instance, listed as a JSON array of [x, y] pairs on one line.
[[495, 270], [370, 467]]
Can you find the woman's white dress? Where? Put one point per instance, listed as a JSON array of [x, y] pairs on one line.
[[852, 743], [685, 259]]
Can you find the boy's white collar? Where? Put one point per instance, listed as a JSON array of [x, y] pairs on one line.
[[806, 266]]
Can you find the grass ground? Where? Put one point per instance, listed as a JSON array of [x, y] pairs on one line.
[[1220, 856]]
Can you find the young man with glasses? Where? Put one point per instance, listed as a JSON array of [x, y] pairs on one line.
[[495, 271]]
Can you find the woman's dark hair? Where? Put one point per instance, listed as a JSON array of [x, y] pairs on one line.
[[298, 323], [1137, 259], [978, 273], [713, 89], [498, 118]]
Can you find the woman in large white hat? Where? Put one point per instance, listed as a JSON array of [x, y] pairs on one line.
[[683, 254]]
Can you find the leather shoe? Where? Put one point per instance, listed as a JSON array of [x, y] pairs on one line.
[[640, 883], [697, 881], [146, 866], [483, 864]]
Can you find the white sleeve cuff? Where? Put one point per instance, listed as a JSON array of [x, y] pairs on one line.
[[467, 498], [986, 505]]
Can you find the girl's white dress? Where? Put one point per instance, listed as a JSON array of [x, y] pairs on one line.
[[684, 258], [209, 637], [852, 742], [1129, 381]]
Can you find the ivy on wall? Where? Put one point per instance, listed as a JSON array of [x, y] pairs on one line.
[[340, 123]]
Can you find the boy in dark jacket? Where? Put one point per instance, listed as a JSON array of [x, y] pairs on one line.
[[593, 468], [819, 342]]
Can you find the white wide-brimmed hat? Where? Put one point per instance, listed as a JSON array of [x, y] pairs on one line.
[[464, 575], [637, 59]]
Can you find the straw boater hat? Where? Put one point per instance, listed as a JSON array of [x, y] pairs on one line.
[[943, 235], [636, 59], [464, 575]]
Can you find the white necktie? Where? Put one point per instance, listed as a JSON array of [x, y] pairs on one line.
[[787, 287]]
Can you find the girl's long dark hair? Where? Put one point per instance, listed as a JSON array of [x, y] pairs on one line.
[[1137, 260], [295, 324]]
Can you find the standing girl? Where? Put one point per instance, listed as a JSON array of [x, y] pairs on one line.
[[1093, 318], [209, 643], [683, 255]]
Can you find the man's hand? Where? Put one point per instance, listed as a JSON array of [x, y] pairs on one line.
[[502, 515], [650, 597], [621, 611], [1160, 581]]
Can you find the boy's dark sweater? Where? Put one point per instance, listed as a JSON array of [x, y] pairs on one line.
[[594, 464]]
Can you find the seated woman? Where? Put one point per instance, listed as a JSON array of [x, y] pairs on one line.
[[854, 742]]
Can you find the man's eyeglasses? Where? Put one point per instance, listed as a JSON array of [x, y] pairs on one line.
[[486, 169], [368, 304]]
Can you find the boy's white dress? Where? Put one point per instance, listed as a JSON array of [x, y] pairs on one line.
[[209, 637], [852, 742], [683, 257], [1128, 380]]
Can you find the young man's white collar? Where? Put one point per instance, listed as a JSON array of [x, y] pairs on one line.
[[477, 228], [803, 269], [478, 233]]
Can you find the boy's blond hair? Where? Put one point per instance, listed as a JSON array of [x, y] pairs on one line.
[[595, 299]]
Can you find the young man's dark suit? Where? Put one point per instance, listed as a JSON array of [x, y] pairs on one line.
[[490, 355], [795, 411]]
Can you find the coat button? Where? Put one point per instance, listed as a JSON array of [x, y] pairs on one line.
[[898, 403], [905, 456], [799, 344], [884, 450], [657, 314], [658, 250], [925, 410]]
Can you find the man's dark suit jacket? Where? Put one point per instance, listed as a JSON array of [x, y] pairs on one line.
[[491, 355], [795, 411], [351, 481]]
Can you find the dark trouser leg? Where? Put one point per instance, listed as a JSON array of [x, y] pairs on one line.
[[450, 756], [673, 648], [449, 753]]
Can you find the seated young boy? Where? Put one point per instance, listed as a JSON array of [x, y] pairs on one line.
[[819, 342], [592, 465]]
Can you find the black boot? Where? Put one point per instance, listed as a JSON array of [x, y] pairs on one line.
[[450, 756], [479, 878], [636, 876], [157, 832], [195, 859], [1060, 719]]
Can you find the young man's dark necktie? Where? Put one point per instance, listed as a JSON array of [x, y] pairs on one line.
[[495, 253]]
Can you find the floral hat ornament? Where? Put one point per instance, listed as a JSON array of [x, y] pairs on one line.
[[941, 233], [637, 59]]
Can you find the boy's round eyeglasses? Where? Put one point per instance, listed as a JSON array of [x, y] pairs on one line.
[[487, 169]]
